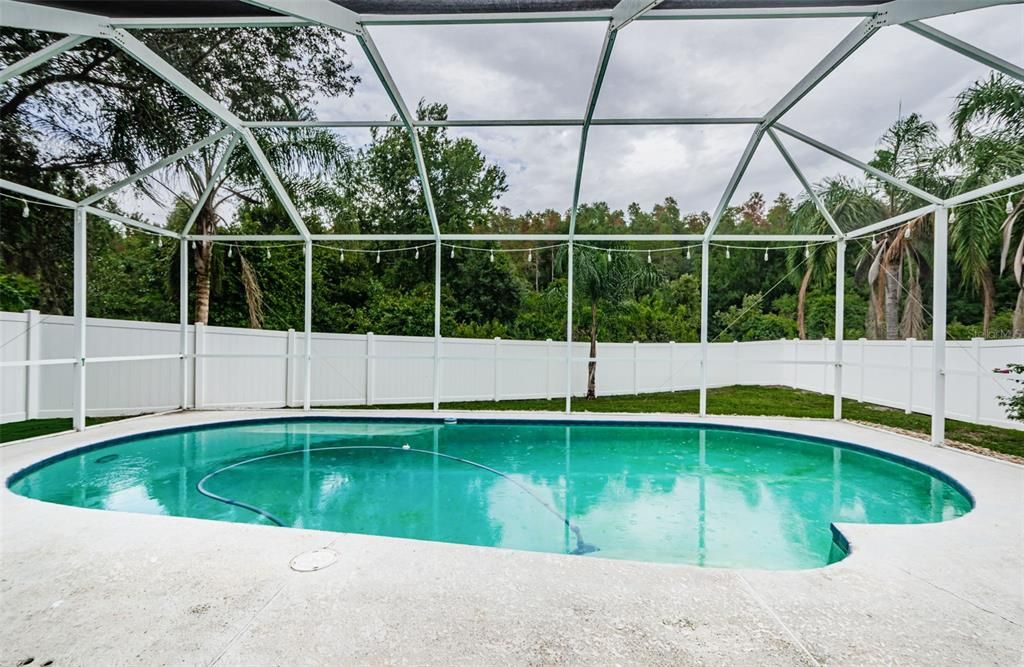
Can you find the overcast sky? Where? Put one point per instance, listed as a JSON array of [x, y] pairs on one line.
[[669, 68], [681, 68]]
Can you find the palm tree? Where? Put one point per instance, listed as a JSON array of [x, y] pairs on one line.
[[293, 153], [851, 207], [909, 150], [988, 146], [609, 277]]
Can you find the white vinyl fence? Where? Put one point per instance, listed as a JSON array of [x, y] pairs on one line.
[[232, 368]]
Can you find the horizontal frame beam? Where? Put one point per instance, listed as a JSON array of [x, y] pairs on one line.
[[510, 122]]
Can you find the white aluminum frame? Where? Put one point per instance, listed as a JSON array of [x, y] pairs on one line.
[[80, 26]]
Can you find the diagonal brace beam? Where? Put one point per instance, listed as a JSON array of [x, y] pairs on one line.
[[888, 178], [377, 62], [170, 159], [734, 180], [804, 182], [142, 53], [965, 49], [210, 185], [595, 91], [41, 56]]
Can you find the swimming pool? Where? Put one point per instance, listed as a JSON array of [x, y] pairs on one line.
[[713, 496]]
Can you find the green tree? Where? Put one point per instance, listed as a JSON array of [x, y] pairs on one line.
[[605, 277]]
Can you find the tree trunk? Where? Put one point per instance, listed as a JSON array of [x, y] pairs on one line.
[[801, 305], [1018, 315], [203, 260], [892, 305], [988, 304], [592, 364]]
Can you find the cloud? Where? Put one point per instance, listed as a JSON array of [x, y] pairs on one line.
[[681, 68]]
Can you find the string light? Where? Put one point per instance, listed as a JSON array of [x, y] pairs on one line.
[[1009, 206], [378, 256], [906, 232], [807, 251], [159, 242], [529, 256], [230, 250], [609, 255], [268, 253], [648, 256], [727, 255], [342, 255], [24, 210], [766, 254], [417, 253], [492, 256], [193, 245], [452, 255], [952, 217], [687, 252]]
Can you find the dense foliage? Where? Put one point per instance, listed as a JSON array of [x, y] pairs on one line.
[[96, 115]]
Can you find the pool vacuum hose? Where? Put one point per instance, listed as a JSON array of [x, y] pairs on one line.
[[581, 546]]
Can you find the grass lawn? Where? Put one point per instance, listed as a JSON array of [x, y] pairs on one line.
[[738, 400], [773, 401], [36, 427]]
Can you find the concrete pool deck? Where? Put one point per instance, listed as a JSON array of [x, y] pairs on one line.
[[86, 587]]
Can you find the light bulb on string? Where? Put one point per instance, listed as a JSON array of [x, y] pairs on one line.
[[906, 232], [378, 256], [342, 254], [807, 252], [529, 255], [25, 211], [648, 256], [231, 250], [159, 242], [952, 217], [687, 252], [452, 254], [193, 245], [492, 256], [609, 252], [417, 253], [766, 254], [727, 255], [268, 252], [1009, 206]]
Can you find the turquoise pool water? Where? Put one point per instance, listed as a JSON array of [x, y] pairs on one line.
[[676, 494]]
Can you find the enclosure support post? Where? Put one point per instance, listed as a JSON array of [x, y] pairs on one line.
[[837, 395], [705, 261], [939, 326], [78, 419], [183, 317], [308, 324], [568, 336], [437, 325]]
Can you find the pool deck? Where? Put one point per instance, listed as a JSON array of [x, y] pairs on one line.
[[85, 587]]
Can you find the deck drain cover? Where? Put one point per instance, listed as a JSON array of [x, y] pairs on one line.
[[311, 561]]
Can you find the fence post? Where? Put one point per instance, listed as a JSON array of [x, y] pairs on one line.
[[32, 353], [910, 376], [978, 370], [289, 369], [370, 365], [199, 372], [735, 362], [636, 367], [862, 364], [824, 365], [672, 365], [796, 359], [497, 368], [547, 379]]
